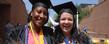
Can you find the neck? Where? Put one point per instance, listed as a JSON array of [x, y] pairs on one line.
[[36, 29], [68, 35]]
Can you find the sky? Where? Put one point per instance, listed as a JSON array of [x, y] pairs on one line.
[[58, 2]]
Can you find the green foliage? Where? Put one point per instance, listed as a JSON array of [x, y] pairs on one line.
[[82, 13], [55, 18], [49, 24]]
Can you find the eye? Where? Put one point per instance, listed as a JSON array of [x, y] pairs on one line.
[[62, 19], [70, 19], [42, 11], [39, 11], [45, 13]]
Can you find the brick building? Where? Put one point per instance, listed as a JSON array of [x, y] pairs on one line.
[[98, 21], [12, 11]]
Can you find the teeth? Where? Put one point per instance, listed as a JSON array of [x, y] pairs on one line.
[[66, 29]]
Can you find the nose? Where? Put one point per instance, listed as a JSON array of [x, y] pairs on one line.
[[66, 21], [41, 15]]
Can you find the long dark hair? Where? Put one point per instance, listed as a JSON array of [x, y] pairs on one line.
[[38, 4], [58, 32], [78, 36]]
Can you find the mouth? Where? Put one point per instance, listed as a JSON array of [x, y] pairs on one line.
[[65, 26], [39, 21], [66, 29]]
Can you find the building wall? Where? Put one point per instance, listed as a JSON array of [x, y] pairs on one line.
[[18, 11], [12, 11], [98, 21]]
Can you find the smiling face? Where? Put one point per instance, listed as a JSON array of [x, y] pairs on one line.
[[66, 22], [39, 16]]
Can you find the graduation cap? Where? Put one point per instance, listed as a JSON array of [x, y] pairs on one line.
[[46, 2], [68, 5]]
